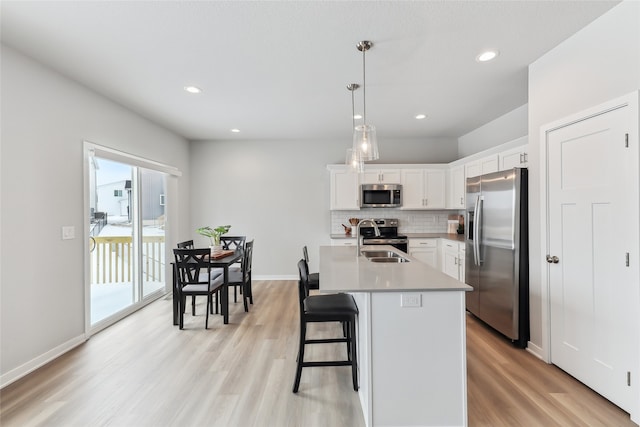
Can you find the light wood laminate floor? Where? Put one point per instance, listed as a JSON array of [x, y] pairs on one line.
[[144, 371]]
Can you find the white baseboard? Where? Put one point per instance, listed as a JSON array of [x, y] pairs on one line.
[[32, 365], [535, 350]]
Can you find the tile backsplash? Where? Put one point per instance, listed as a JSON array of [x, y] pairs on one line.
[[408, 221]]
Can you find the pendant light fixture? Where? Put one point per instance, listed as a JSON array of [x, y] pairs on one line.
[[354, 159], [365, 141]]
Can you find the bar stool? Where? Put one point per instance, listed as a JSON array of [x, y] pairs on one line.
[[314, 278], [326, 308]]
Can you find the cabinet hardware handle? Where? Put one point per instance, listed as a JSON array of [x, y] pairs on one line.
[[462, 200], [553, 259]]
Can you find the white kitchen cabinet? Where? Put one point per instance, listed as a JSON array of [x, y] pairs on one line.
[[457, 188], [423, 188], [380, 176], [344, 190], [426, 250], [514, 158], [480, 167], [453, 259]]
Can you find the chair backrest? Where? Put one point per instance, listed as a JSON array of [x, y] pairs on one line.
[[246, 261], [187, 244], [232, 242], [306, 254], [303, 283], [190, 264]]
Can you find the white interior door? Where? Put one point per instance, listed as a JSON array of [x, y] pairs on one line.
[[593, 294]]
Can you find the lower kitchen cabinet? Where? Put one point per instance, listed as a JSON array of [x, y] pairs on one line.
[[426, 250], [453, 258]]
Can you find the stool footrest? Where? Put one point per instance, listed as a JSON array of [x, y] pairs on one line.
[[328, 363], [326, 340]]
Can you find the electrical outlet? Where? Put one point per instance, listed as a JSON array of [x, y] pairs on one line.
[[410, 300], [68, 232]]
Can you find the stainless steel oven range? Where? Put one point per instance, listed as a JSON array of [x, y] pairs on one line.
[[388, 234]]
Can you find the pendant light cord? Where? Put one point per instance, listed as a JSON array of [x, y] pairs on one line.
[[353, 110], [364, 89]]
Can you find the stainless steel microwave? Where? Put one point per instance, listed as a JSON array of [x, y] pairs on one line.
[[380, 195]]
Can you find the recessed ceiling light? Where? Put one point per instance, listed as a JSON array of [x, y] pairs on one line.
[[235, 130], [192, 89], [487, 56], [357, 116], [421, 116]]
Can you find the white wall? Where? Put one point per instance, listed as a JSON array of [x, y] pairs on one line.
[[505, 128], [599, 63], [278, 192], [45, 118]]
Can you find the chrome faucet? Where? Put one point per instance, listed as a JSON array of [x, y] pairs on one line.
[[376, 230]]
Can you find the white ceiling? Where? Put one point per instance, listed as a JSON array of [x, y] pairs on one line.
[[279, 70]]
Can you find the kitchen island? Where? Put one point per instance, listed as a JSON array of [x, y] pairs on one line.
[[411, 337]]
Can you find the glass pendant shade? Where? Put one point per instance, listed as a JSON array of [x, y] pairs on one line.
[[354, 161], [365, 142]]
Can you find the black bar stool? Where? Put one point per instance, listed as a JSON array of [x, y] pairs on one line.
[[314, 278], [326, 308]]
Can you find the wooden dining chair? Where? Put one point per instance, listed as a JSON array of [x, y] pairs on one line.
[[215, 272], [193, 274], [242, 278], [187, 244], [232, 242]]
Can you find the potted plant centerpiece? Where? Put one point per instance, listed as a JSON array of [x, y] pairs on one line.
[[214, 235]]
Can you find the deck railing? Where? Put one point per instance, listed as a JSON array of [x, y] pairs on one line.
[[112, 259]]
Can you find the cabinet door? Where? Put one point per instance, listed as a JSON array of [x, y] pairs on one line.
[[434, 195], [428, 255], [390, 176], [450, 263], [456, 193], [344, 190], [450, 258], [380, 176], [472, 169], [514, 158], [370, 177], [489, 164], [412, 188], [461, 262]]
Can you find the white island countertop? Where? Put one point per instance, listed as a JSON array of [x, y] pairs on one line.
[[342, 271], [411, 337]]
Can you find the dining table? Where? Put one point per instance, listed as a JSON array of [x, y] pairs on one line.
[[223, 262]]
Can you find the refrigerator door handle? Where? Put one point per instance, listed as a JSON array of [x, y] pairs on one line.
[[476, 227]]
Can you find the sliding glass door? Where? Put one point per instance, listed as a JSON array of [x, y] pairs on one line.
[[126, 237]]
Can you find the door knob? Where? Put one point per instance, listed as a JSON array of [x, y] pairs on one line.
[[553, 259]]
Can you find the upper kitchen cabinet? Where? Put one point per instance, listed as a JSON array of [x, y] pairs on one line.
[[480, 167], [380, 176], [457, 188], [344, 190], [423, 188], [517, 157]]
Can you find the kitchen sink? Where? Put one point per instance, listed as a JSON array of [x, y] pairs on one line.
[[380, 254], [394, 259], [383, 256]]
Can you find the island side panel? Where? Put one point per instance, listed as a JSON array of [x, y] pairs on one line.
[[418, 359], [363, 300]]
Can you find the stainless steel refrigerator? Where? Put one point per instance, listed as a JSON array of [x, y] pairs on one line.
[[497, 255]]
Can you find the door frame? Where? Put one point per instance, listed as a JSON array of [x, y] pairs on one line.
[[631, 101], [92, 149]]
